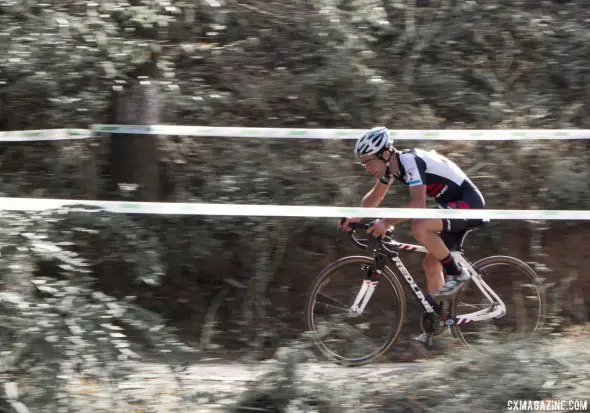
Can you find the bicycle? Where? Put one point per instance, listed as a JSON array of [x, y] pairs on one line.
[[377, 271]]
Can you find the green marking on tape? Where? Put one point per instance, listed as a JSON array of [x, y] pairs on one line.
[[508, 211], [298, 132], [31, 134], [129, 206], [348, 211], [454, 211]]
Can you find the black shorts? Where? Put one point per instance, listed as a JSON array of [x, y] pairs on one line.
[[454, 229]]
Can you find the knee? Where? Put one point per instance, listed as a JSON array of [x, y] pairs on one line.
[[419, 227]]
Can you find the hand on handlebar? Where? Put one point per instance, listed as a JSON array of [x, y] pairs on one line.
[[379, 229], [344, 222], [376, 230]]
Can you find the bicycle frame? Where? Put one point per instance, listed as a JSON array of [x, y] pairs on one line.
[[496, 309]]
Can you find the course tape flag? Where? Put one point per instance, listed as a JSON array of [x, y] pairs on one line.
[[253, 210], [398, 134], [44, 135]]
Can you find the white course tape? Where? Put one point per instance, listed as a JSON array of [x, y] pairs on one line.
[[45, 135], [398, 134], [286, 133], [252, 210]]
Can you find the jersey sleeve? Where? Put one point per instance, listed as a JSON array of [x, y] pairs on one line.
[[415, 170]]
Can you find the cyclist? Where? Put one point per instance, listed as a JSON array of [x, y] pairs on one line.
[[427, 174]]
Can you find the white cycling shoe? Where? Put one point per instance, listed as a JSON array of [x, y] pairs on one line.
[[423, 338], [452, 285]]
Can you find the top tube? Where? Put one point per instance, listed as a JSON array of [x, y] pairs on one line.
[[388, 243]]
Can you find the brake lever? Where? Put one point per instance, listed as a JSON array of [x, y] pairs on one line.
[[371, 242]]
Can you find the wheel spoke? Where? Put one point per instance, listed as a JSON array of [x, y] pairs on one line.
[[518, 286], [342, 335], [336, 303]]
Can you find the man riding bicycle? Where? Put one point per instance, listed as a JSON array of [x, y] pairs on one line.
[[426, 174]]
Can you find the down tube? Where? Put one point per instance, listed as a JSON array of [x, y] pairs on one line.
[[415, 289]]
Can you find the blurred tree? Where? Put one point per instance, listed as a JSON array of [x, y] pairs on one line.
[[134, 158]]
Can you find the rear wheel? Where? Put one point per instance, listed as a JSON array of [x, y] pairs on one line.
[[518, 286], [342, 336]]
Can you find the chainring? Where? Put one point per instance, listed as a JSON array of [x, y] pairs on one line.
[[432, 324]]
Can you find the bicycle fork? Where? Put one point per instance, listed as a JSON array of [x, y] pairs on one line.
[[369, 285]]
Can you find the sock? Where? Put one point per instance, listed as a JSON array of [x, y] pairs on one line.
[[433, 303], [450, 266]]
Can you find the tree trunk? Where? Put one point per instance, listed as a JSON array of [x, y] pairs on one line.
[[134, 158], [586, 113]]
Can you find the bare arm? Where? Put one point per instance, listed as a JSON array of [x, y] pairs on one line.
[[372, 199], [375, 196], [417, 200]]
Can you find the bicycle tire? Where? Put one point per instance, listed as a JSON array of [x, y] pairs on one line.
[[311, 297], [495, 260]]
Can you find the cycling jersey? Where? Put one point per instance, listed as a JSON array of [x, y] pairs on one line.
[[447, 184], [444, 180]]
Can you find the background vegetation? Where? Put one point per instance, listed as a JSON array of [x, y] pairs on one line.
[[78, 284]]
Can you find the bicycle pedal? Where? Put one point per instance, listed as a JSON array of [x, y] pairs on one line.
[[428, 343]]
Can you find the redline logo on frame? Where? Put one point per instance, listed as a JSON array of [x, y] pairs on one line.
[[548, 405]]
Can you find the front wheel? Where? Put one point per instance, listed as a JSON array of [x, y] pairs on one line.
[[518, 286], [342, 335]]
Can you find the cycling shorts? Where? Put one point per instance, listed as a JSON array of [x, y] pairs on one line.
[[454, 229]]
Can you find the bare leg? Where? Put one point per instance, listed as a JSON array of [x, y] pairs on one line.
[[433, 272], [426, 233], [434, 278]]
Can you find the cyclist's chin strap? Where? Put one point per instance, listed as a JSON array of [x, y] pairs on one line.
[[387, 177]]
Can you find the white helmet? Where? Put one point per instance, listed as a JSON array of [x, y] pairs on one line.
[[373, 141]]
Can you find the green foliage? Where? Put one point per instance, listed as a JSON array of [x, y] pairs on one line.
[[55, 325], [325, 63]]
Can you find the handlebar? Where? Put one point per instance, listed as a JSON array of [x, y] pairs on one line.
[[371, 240]]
